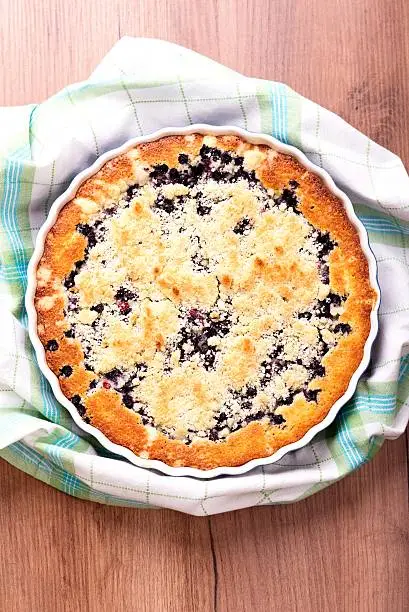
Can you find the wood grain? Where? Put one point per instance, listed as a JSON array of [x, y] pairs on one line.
[[345, 549]]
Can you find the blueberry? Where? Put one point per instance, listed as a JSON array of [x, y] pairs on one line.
[[52, 345], [130, 192], [76, 400], [288, 198], [97, 308], [89, 232], [238, 161], [209, 359], [243, 225], [66, 371], [165, 204], [317, 368], [205, 151], [277, 419], [159, 174], [198, 169], [226, 157], [93, 384], [125, 294], [69, 333], [203, 210], [343, 328], [113, 374], [69, 281], [174, 175], [221, 417], [183, 158], [128, 401], [325, 244], [324, 274], [323, 307], [217, 175], [293, 184], [311, 394], [124, 307], [92, 241], [187, 179], [84, 229], [126, 388], [255, 417], [286, 401], [73, 303], [276, 350], [335, 299], [251, 392]]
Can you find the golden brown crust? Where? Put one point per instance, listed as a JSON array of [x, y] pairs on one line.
[[269, 270]]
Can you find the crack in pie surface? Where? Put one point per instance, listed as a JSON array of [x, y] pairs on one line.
[[203, 301]]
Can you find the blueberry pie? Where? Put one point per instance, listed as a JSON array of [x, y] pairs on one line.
[[203, 301]]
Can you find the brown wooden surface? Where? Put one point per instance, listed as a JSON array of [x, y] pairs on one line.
[[345, 549]]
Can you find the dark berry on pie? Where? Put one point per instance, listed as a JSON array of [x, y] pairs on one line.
[[113, 374], [52, 345], [311, 395], [174, 175], [76, 400], [97, 308], [205, 151], [316, 368], [124, 307], [325, 244], [183, 158], [125, 294], [286, 401], [165, 204], [203, 210], [289, 198], [70, 279], [84, 229], [128, 401], [66, 371], [243, 226]]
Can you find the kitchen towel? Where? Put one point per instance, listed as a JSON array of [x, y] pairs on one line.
[[140, 86]]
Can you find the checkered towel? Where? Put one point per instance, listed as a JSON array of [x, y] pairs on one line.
[[143, 85]]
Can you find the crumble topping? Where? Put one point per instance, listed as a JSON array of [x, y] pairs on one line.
[[203, 298]]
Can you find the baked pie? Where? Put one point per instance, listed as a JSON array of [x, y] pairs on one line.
[[203, 301]]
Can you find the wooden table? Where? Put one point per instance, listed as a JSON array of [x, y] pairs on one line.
[[345, 549]]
